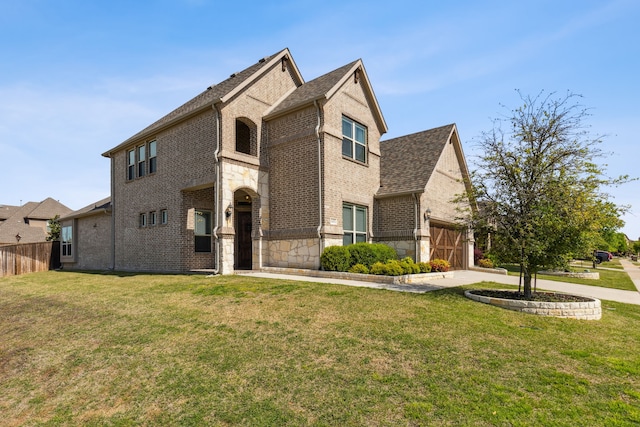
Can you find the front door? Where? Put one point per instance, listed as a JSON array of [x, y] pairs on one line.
[[243, 236]]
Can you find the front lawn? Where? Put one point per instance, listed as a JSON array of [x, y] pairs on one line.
[[608, 278], [96, 349]]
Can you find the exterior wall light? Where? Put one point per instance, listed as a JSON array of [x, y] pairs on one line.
[[228, 211], [427, 214]]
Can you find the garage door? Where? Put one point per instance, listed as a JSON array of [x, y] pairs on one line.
[[446, 243]]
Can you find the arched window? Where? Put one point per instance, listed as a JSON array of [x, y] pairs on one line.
[[243, 137]]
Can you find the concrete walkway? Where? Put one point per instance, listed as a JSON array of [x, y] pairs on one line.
[[467, 277], [633, 271]]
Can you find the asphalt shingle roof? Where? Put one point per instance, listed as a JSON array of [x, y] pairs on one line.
[[99, 206], [311, 91], [15, 223], [407, 162], [208, 97]]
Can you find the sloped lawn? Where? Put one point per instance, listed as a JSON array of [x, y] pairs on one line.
[[93, 349]]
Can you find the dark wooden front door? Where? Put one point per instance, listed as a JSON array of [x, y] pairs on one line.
[[446, 243], [243, 237]]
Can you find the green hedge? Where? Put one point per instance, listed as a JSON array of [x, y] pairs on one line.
[[375, 258], [335, 258], [343, 258], [368, 254]]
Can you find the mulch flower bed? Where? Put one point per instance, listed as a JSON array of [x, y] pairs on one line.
[[535, 296]]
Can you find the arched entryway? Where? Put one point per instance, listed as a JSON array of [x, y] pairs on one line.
[[243, 224]]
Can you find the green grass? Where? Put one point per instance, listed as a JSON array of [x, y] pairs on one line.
[[121, 350], [608, 278], [614, 263]]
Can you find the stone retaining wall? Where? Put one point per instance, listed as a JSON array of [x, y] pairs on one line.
[[590, 310], [396, 280], [576, 275]]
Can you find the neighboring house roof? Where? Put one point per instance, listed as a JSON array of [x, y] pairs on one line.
[[48, 208], [407, 162], [324, 87], [17, 222], [220, 92], [7, 211], [101, 206]]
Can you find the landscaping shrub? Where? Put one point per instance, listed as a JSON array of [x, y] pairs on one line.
[[359, 268], [493, 258], [409, 266], [378, 268], [425, 267], [369, 253], [485, 263], [477, 256], [335, 258], [439, 265], [394, 268]]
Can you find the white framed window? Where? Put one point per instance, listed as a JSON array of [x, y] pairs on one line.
[[164, 216], [202, 231], [354, 224], [142, 160], [354, 140], [131, 164], [153, 218], [66, 241], [143, 220], [153, 159]]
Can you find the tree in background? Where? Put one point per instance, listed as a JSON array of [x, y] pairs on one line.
[[53, 233], [540, 185]]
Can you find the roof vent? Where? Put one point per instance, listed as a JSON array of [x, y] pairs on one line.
[[233, 75], [262, 60]]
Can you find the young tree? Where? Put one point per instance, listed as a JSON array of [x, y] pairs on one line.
[[54, 229], [540, 184]]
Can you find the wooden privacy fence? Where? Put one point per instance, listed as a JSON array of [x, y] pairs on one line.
[[29, 258]]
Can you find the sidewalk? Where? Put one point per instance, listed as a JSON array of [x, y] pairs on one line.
[[467, 277], [633, 271]]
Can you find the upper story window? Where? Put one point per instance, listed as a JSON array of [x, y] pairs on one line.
[[354, 140], [131, 164], [153, 162], [142, 160], [243, 137]]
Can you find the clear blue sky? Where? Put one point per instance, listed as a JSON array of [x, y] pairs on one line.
[[78, 77]]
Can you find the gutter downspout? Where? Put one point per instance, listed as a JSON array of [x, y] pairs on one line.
[[317, 129], [416, 201], [113, 214], [216, 193]]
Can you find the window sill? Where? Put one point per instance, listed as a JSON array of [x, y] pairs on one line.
[[358, 162]]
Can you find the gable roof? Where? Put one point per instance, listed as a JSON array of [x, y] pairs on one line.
[[101, 206], [16, 224], [6, 211], [48, 208], [220, 92], [407, 162], [324, 87]]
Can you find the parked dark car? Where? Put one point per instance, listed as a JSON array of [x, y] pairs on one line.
[[603, 256]]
